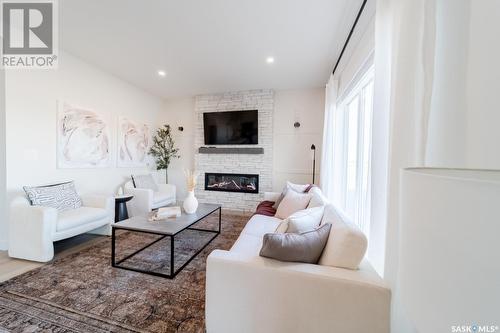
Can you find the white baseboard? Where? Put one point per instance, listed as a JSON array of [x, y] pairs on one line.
[[4, 245]]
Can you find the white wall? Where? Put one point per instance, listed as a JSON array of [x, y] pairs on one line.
[[292, 152], [180, 112], [31, 104], [292, 146], [3, 194]]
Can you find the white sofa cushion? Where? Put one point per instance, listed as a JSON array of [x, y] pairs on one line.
[[346, 245], [75, 217], [302, 221], [258, 225], [248, 244], [291, 203]]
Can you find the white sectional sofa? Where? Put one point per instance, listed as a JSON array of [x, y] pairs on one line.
[[249, 293]]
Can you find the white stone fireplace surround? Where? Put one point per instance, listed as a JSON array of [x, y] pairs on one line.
[[261, 164]]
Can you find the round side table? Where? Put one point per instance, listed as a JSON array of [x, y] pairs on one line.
[[121, 212]]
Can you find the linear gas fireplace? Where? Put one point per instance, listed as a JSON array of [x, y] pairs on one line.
[[232, 182]]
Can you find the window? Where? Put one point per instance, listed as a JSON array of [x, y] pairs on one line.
[[354, 126]]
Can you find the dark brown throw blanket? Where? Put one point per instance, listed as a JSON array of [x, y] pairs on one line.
[[266, 208]]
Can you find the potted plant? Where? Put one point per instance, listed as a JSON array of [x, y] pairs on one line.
[[163, 149]]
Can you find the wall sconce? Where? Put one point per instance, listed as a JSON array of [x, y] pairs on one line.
[[180, 128], [296, 124]]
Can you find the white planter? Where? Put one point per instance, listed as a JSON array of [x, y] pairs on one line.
[[190, 203]]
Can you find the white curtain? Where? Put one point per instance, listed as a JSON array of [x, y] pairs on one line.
[[329, 151]]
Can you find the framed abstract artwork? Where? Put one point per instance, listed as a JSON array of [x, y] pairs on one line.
[[134, 140], [83, 139]]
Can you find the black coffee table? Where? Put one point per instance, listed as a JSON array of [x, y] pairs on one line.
[[167, 228]]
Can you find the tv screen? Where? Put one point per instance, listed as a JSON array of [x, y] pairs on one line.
[[231, 128]]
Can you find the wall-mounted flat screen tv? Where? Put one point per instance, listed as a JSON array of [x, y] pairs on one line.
[[231, 127]]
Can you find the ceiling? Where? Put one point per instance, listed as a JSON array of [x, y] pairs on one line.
[[208, 46]]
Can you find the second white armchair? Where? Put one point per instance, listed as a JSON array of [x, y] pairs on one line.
[[147, 199]]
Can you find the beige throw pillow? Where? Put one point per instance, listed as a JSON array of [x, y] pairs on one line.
[[300, 188], [291, 203], [346, 245], [301, 221], [318, 199]]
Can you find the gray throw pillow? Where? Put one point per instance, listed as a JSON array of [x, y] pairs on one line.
[[61, 196], [145, 182], [306, 247]]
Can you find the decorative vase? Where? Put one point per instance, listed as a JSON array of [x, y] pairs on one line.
[[190, 203]]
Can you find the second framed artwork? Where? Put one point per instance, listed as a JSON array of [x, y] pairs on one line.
[[134, 141]]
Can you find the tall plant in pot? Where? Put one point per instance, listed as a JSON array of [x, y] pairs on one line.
[[163, 149], [190, 204]]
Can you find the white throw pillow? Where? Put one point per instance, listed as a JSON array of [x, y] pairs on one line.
[[302, 221], [297, 187], [317, 199], [291, 203], [346, 244], [300, 188]]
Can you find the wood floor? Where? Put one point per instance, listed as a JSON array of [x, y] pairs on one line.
[[10, 267]]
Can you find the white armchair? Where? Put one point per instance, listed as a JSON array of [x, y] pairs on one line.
[[33, 229], [145, 200]]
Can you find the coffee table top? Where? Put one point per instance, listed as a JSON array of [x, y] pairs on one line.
[[169, 226]]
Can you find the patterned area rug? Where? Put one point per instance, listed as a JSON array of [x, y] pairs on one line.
[[81, 292]]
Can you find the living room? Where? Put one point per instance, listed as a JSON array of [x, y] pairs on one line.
[[264, 166]]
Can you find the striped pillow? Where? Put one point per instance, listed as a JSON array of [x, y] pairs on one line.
[[61, 196]]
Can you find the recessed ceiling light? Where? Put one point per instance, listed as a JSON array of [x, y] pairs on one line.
[[270, 60], [162, 73]]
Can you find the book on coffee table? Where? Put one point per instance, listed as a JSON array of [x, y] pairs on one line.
[[166, 213]]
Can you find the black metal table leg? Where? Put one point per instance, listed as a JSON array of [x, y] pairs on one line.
[[220, 219], [172, 256], [113, 247]]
